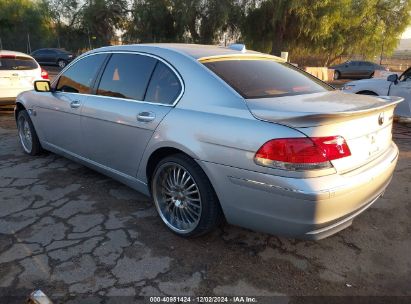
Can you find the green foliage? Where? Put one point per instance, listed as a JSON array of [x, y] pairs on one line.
[[100, 18], [182, 20], [20, 18], [313, 31], [155, 21], [326, 29]]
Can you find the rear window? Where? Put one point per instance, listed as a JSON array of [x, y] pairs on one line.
[[266, 78], [17, 63]]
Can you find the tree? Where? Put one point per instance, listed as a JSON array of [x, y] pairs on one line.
[[326, 29], [182, 20], [21, 22], [101, 18], [154, 21]]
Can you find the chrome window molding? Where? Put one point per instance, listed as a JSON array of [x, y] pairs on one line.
[[128, 99]]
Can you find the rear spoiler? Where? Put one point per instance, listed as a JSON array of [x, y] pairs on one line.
[[312, 119]]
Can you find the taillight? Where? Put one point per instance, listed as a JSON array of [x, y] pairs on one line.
[[302, 153], [44, 74], [8, 56]]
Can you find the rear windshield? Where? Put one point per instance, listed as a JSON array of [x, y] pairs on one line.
[[266, 78], [17, 63]]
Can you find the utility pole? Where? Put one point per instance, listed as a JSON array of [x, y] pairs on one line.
[[89, 41], [28, 44], [1, 44]]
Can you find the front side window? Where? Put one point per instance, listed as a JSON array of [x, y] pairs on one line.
[[264, 78], [80, 76], [164, 85], [126, 76], [17, 63]]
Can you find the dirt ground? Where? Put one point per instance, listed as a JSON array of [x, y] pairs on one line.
[[71, 231]]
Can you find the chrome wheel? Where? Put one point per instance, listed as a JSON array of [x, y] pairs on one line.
[[177, 197], [61, 63], [25, 134]]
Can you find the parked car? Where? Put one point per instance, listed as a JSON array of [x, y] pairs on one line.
[[211, 132], [392, 86], [356, 69], [52, 56], [17, 74]]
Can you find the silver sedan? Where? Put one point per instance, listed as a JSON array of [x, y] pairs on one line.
[[214, 133]]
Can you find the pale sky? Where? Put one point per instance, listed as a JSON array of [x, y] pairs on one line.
[[407, 33]]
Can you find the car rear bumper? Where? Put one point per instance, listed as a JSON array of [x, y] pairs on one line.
[[310, 208]]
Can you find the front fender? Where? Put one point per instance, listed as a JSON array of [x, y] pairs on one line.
[[22, 101]]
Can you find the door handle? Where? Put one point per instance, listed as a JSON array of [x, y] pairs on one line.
[[146, 116], [75, 104]]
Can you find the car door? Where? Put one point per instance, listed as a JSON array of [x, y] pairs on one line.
[[346, 69], [39, 56], [353, 70], [403, 89], [364, 69], [50, 56], [58, 112], [121, 118]]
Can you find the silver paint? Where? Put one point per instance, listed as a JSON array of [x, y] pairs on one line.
[[220, 130]]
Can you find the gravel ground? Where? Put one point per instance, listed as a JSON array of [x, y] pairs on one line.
[[71, 231]]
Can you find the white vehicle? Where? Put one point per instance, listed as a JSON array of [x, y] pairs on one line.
[[18, 71], [392, 86]]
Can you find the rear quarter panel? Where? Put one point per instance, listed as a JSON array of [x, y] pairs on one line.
[[219, 139]]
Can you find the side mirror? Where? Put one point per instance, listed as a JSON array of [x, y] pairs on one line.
[[393, 78], [42, 86]]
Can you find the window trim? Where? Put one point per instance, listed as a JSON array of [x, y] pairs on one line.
[[103, 67]]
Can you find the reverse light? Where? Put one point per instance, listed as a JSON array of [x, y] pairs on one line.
[[44, 74], [299, 154]]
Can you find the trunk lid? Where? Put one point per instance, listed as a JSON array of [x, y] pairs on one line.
[[364, 121], [17, 79]]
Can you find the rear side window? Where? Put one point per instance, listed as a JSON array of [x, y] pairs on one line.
[[17, 63], [266, 78], [79, 77], [164, 86], [126, 76]]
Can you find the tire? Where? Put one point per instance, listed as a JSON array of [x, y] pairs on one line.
[[62, 63], [184, 197], [27, 134], [337, 75]]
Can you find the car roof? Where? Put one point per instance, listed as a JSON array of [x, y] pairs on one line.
[[13, 53], [52, 49], [196, 51]]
